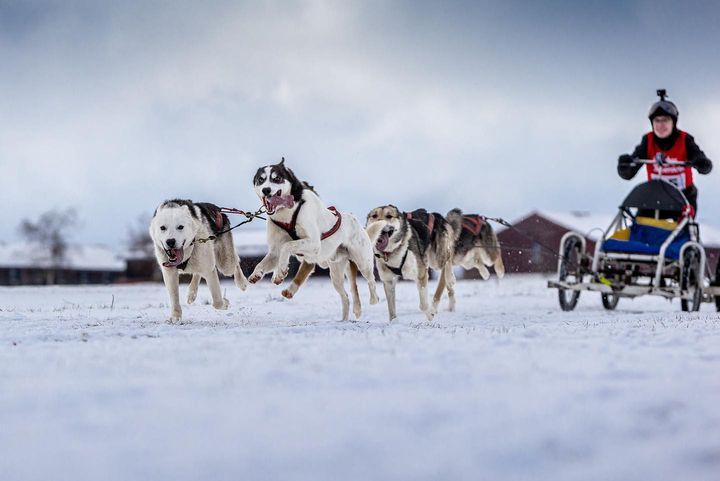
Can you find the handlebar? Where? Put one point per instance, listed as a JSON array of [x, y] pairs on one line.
[[666, 162]]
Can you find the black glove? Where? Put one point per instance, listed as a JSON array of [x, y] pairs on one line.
[[702, 164], [626, 167], [625, 159]]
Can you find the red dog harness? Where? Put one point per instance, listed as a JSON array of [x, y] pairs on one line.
[[291, 227], [430, 224], [473, 223]]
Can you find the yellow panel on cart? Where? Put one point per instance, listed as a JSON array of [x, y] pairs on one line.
[[660, 223], [622, 234]]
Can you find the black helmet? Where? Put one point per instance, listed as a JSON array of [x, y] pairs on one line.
[[663, 107]]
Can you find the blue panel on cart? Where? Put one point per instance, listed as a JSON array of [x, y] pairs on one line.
[[647, 240]]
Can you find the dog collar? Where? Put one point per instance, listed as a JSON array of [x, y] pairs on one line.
[[290, 228]]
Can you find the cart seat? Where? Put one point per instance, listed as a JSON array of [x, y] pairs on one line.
[[646, 236]]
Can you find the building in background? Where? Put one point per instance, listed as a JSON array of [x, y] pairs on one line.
[[23, 263]]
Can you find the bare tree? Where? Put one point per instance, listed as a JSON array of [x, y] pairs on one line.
[[50, 233], [139, 239]]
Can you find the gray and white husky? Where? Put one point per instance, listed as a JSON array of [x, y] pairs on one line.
[[176, 228], [405, 246], [476, 245]]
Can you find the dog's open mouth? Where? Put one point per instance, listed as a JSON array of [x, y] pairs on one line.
[[274, 202], [383, 240], [175, 256]]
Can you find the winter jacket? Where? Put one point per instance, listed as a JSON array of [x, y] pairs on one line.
[[627, 170]]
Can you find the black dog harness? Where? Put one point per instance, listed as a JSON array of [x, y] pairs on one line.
[[414, 222], [398, 270], [291, 227]]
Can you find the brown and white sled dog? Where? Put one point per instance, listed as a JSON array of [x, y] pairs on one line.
[[301, 225], [476, 245], [406, 245], [175, 229]]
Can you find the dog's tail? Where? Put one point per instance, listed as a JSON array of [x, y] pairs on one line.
[[455, 219]]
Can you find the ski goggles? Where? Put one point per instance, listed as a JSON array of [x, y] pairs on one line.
[[663, 107]]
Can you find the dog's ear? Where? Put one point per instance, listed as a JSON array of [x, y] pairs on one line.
[[282, 161], [196, 217], [296, 186], [151, 229]]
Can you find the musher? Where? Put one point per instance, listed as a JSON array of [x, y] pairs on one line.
[[667, 143]]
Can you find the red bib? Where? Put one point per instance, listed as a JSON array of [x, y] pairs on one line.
[[678, 175]]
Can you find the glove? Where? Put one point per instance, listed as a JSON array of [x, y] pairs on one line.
[[702, 164], [625, 159], [660, 158]]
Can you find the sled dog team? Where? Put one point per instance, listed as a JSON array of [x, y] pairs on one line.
[[401, 245]]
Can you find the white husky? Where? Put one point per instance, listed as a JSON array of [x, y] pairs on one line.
[[176, 230], [301, 225]]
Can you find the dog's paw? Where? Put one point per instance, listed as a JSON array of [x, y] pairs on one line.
[[222, 305], [241, 282], [192, 295], [255, 276], [279, 277], [287, 293], [175, 318]]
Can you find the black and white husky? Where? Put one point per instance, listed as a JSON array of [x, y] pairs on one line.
[[476, 244], [406, 245], [177, 230], [301, 225]]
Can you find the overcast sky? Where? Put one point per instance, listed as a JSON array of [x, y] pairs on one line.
[[497, 107]]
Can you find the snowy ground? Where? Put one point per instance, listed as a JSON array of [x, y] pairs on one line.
[[94, 385]]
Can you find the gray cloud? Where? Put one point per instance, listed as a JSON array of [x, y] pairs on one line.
[[497, 107]]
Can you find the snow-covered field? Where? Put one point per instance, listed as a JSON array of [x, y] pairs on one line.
[[94, 385]]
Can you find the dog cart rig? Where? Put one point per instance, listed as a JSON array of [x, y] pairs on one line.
[[652, 247]]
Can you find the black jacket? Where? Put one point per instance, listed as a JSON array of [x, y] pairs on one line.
[[627, 169], [694, 155]]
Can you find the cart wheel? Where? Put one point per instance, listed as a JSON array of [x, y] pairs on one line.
[[570, 272], [610, 301], [691, 279]]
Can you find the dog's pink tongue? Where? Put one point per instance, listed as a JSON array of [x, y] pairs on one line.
[[178, 254], [281, 200], [382, 242]]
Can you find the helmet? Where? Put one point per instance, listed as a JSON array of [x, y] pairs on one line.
[[663, 107]]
